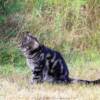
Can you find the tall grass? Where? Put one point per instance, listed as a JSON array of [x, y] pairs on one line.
[[68, 18], [71, 27]]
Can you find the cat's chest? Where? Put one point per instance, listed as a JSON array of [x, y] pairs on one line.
[[30, 64]]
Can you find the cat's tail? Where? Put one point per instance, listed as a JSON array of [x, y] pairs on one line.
[[71, 80]]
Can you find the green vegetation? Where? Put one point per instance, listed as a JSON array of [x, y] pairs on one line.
[[70, 26]]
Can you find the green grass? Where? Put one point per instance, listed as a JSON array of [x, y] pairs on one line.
[[2, 19], [12, 60], [15, 78], [59, 24]]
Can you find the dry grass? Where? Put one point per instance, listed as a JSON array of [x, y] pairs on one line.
[[17, 87], [56, 23], [13, 91]]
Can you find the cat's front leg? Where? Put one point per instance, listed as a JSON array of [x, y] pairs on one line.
[[36, 77]]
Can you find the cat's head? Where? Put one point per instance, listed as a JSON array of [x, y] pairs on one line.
[[28, 43]]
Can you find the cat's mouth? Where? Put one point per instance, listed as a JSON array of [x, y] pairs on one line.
[[25, 51]]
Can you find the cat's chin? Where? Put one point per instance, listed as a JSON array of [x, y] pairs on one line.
[[26, 54]]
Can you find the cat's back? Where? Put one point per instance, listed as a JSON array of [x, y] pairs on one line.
[[51, 53]]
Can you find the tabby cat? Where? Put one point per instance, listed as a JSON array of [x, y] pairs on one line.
[[47, 65]]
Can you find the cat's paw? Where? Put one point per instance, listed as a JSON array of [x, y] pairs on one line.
[[35, 82], [32, 82]]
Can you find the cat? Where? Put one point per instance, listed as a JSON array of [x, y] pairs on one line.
[[47, 65]]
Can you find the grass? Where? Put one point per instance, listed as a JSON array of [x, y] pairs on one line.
[[15, 78], [17, 87], [46, 91], [70, 27], [15, 75]]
